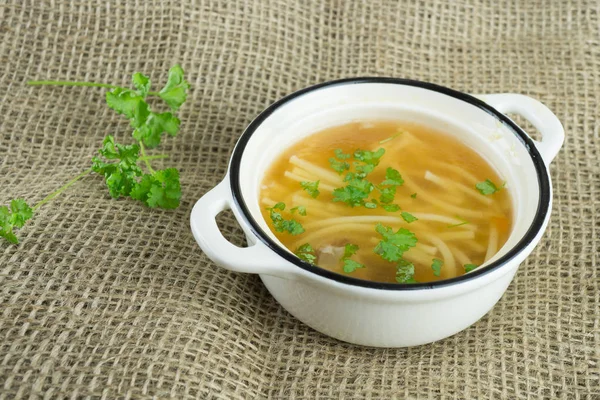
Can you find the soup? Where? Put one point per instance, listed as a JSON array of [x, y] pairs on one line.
[[386, 201]]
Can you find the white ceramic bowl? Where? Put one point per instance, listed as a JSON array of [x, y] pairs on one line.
[[372, 313]]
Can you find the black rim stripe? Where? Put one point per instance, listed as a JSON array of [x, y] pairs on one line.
[[536, 225]]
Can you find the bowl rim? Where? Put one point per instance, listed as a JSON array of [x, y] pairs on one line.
[[529, 236]]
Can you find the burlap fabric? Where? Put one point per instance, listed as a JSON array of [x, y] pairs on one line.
[[108, 299]]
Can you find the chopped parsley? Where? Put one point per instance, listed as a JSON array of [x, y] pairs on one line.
[[350, 250], [306, 253], [436, 266], [301, 210], [281, 224], [408, 217], [354, 193], [341, 155], [349, 264], [414, 195], [312, 188], [488, 187], [393, 177], [391, 207], [369, 157], [394, 244], [469, 267], [405, 272], [387, 194], [339, 165]]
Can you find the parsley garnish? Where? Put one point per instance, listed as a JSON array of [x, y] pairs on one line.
[[387, 194], [339, 166], [350, 250], [312, 188], [306, 253], [351, 265], [436, 266], [414, 195], [405, 272], [408, 217], [393, 177], [369, 157], [301, 210], [488, 187], [119, 163], [393, 245], [355, 193], [19, 213], [281, 224], [469, 267], [341, 155], [391, 207]]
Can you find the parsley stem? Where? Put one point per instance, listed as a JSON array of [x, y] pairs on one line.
[[143, 150], [79, 83], [61, 189], [87, 172], [156, 157]]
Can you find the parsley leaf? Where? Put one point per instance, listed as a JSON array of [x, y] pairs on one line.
[[281, 224], [129, 103], [369, 157], [154, 126], [355, 193], [121, 175], [339, 166], [160, 189], [301, 210], [362, 170], [387, 194], [391, 207], [15, 217], [124, 178], [408, 217], [174, 93], [341, 155], [350, 250], [150, 126], [487, 187], [470, 267], [393, 245], [351, 265], [141, 83], [436, 266], [405, 272], [306, 253], [312, 188], [414, 195], [393, 177]]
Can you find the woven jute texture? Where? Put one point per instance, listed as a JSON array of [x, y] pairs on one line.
[[107, 299]]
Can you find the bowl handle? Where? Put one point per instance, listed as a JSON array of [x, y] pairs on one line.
[[553, 134], [256, 259]]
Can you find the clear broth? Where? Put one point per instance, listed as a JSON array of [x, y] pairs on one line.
[[440, 169]]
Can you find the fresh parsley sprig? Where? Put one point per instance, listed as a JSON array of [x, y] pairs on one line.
[[117, 163]]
